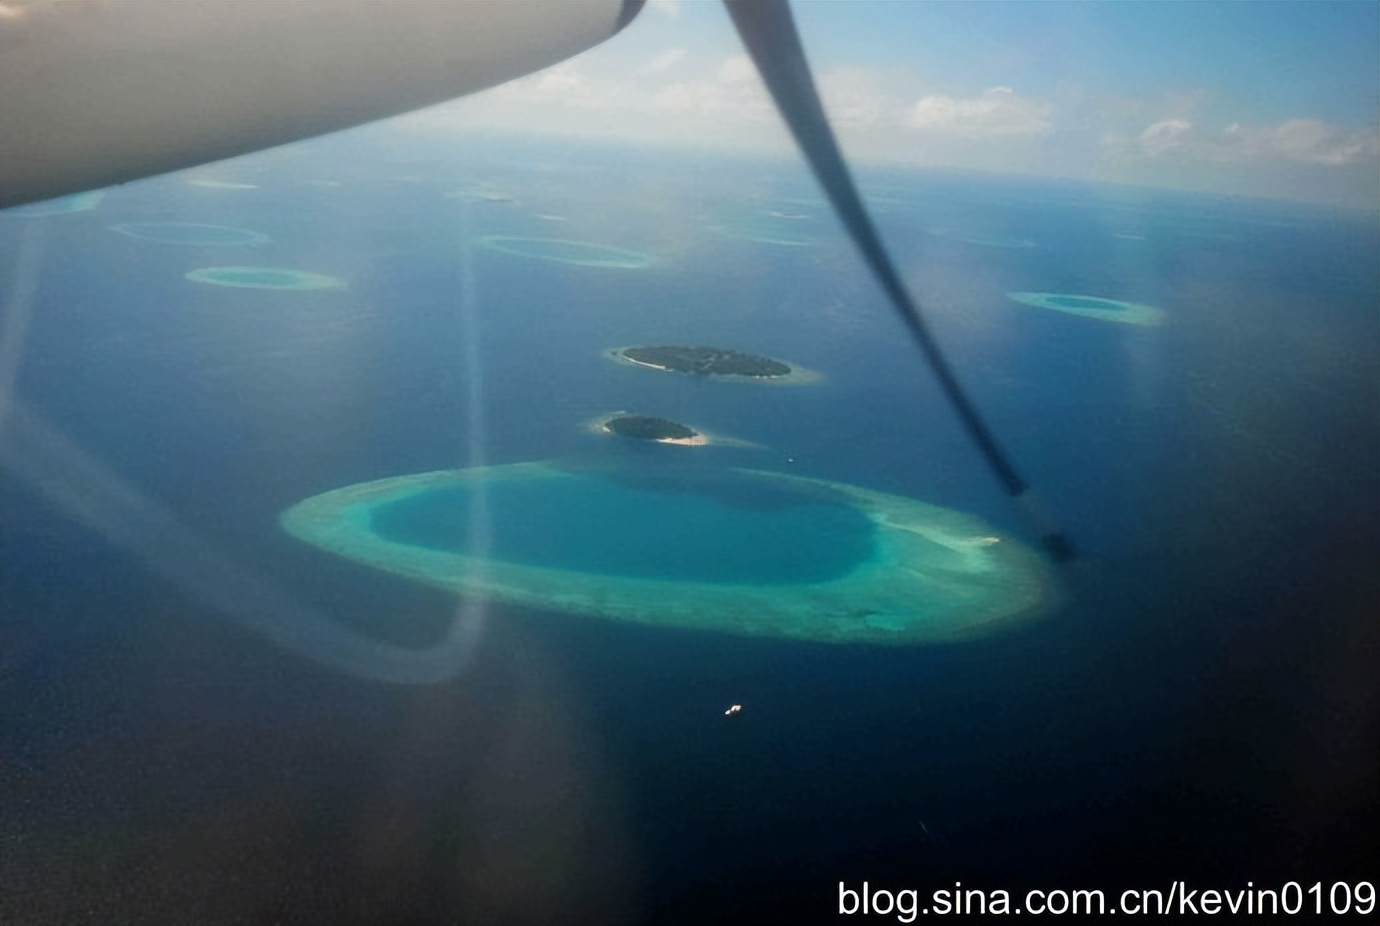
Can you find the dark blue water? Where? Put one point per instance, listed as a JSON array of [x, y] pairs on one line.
[[1197, 709], [593, 524]]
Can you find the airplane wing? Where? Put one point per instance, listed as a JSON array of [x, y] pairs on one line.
[[97, 92]]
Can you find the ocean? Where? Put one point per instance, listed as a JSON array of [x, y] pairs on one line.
[[1195, 702]]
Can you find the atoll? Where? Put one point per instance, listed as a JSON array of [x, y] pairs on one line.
[[747, 552], [264, 278]]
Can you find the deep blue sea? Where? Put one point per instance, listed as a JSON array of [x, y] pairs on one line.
[[1201, 704]]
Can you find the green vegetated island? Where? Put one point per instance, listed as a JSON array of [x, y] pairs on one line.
[[645, 427], [713, 362], [658, 431]]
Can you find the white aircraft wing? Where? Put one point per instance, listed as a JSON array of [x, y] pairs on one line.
[[96, 92]]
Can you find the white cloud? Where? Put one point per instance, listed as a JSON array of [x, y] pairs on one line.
[[996, 113], [1301, 141], [691, 98], [1309, 141], [1164, 136], [858, 96], [728, 94], [680, 98], [560, 84], [732, 94], [662, 62], [737, 69], [674, 98], [668, 8]]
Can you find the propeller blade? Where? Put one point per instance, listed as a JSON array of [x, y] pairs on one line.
[[768, 31]]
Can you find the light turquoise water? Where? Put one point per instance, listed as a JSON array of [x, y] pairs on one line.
[[593, 524]]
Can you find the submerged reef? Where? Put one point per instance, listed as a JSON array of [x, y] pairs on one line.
[[194, 233], [706, 361], [782, 229], [1112, 310], [62, 205], [878, 568], [986, 239], [221, 184], [648, 428], [264, 278], [562, 251]]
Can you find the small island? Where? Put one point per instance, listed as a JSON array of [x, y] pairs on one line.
[[706, 361], [644, 427], [622, 423]]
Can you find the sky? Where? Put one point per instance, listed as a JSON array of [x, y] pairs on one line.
[[1256, 97]]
